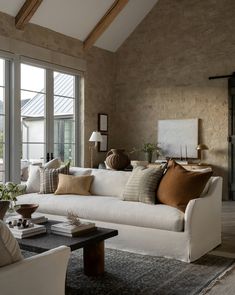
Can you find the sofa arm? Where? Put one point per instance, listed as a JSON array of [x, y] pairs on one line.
[[40, 274], [203, 218]]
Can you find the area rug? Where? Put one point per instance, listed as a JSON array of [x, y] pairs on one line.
[[132, 274]]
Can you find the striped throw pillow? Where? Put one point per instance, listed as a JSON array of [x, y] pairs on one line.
[[142, 185], [49, 178]]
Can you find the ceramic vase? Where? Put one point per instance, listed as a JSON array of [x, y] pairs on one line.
[[149, 156], [117, 160], [4, 205]]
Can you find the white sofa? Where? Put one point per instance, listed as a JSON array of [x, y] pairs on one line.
[[40, 274], [158, 230]]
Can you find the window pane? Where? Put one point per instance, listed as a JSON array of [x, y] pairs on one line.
[[2, 161], [32, 130], [2, 95], [63, 106], [2, 70], [64, 84], [32, 104], [33, 153], [32, 78], [64, 131], [2, 147], [2, 123], [66, 152]]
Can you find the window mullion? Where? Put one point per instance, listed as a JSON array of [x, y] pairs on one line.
[[6, 128], [49, 113], [15, 119], [77, 121]]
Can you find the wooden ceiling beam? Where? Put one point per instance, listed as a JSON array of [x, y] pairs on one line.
[[26, 12], [104, 23]]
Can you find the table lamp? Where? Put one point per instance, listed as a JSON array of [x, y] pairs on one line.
[[95, 137], [201, 147]]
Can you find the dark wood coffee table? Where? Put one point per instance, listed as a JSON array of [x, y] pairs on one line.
[[92, 244]]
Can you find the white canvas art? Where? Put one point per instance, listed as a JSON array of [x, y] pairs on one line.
[[178, 138]]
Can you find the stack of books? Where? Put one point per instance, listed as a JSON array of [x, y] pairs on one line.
[[21, 233], [70, 230], [38, 218]]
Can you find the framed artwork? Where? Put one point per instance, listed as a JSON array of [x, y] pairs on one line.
[[178, 138], [103, 122], [103, 146]]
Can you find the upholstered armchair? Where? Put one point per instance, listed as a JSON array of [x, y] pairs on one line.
[[42, 274]]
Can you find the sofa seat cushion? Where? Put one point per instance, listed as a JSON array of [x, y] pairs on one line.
[[109, 209]]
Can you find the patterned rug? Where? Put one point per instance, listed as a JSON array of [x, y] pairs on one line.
[[132, 274]]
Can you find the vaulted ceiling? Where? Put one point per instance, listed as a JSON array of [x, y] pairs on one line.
[[77, 18]]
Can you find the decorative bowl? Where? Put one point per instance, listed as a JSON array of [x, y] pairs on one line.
[[26, 210]]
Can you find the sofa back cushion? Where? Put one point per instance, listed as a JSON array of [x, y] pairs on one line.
[[78, 171], [178, 186], [109, 182], [9, 247], [142, 185]]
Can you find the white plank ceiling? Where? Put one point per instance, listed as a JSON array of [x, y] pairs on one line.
[[76, 18]]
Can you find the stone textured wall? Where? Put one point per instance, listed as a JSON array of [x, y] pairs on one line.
[[163, 70], [99, 77]]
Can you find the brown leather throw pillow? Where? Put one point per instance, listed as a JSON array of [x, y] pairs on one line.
[[178, 186]]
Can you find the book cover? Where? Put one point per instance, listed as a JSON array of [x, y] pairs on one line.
[[19, 235], [75, 234], [69, 228], [35, 228]]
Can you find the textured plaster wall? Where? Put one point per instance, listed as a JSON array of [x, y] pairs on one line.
[[99, 76], [163, 70]]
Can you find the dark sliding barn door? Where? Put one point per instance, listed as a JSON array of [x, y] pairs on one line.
[[231, 137]]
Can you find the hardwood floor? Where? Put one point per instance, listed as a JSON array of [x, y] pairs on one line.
[[227, 248], [226, 285]]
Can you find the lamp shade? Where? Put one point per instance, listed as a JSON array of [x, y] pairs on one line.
[[202, 147], [96, 137]]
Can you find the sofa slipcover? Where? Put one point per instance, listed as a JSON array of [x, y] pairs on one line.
[[109, 209]]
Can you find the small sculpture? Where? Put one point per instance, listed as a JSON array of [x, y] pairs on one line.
[[20, 223], [73, 218]]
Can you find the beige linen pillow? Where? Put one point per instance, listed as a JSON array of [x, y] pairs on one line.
[[77, 185], [49, 178], [33, 182], [9, 247], [142, 185]]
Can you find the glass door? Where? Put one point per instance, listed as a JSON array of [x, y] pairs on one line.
[[33, 115], [48, 108], [64, 116]]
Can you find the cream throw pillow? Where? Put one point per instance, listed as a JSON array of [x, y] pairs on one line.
[[77, 185], [33, 182], [9, 247], [142, 185]]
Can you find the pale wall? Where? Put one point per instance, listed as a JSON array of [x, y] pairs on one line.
[[99, 77], [163, 70]]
